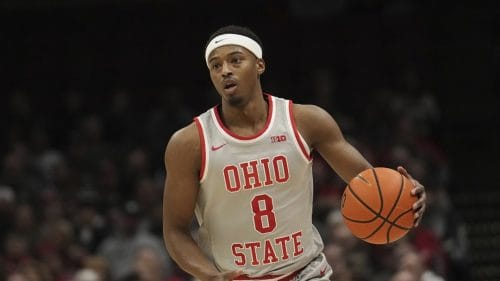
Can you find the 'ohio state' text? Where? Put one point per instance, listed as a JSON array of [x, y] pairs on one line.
[[267, 251], [256, 173]]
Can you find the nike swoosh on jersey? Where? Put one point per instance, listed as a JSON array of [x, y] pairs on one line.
[[214, 148]]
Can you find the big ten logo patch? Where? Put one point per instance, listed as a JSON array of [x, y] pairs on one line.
[[280, 138]]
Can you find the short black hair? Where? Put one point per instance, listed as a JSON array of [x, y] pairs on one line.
[[235, 29]]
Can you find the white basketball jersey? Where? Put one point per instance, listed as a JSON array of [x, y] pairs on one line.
[[256, 193]]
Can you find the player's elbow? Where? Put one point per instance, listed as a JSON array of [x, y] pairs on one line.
[[172, 230]]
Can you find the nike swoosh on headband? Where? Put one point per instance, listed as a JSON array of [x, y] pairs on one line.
[[233, 39]]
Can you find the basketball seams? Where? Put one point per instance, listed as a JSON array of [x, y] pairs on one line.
[[386, 218], [400, 215], [377, 215], [362, 202], [379, 191], [392, 223], [394, 206], [397, 218]]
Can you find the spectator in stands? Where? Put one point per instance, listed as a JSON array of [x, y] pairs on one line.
[[120, 247]]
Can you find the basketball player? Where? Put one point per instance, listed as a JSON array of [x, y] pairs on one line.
[[244, 169]]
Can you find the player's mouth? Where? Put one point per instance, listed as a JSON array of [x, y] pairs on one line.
[[230, 85]]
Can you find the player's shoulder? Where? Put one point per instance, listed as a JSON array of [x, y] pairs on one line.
[[306, 113], [313, 122], [185, 139], [183, 151]]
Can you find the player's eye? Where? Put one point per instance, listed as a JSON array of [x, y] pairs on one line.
[[215, 65], [236, 60]]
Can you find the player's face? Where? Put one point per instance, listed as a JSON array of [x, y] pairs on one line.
[[235, 73]]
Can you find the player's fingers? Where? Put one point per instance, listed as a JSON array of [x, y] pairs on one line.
[[418, 216], [418, 189], [419, 209], [417, 222], [420, 202], [404, 172]]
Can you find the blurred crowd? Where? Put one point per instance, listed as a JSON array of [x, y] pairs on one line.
[[92, 91], [82, 176]]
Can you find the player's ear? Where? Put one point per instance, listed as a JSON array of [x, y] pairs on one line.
[[261, 66]]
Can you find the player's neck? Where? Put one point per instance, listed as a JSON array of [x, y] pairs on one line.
[[251, 115]]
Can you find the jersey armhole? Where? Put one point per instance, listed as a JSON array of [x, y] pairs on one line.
[[298, 139], [203, 143]]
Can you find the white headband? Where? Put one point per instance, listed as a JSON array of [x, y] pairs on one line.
[[233, 39]]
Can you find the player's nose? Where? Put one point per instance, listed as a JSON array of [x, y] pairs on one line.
[[226, 70]]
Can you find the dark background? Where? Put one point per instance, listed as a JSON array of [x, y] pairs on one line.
[[449, 50], [52, 46]]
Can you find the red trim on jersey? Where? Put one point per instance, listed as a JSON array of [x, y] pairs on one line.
[[202, 144], [296, 132], [270, 277], [268, 121]]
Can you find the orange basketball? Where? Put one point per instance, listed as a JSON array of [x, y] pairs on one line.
[[377, 205]]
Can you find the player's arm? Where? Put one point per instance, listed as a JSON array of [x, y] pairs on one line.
[[182, 163], [322, 133]]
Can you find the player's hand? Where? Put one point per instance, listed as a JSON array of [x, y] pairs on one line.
[[419, 191], [226, 276]]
